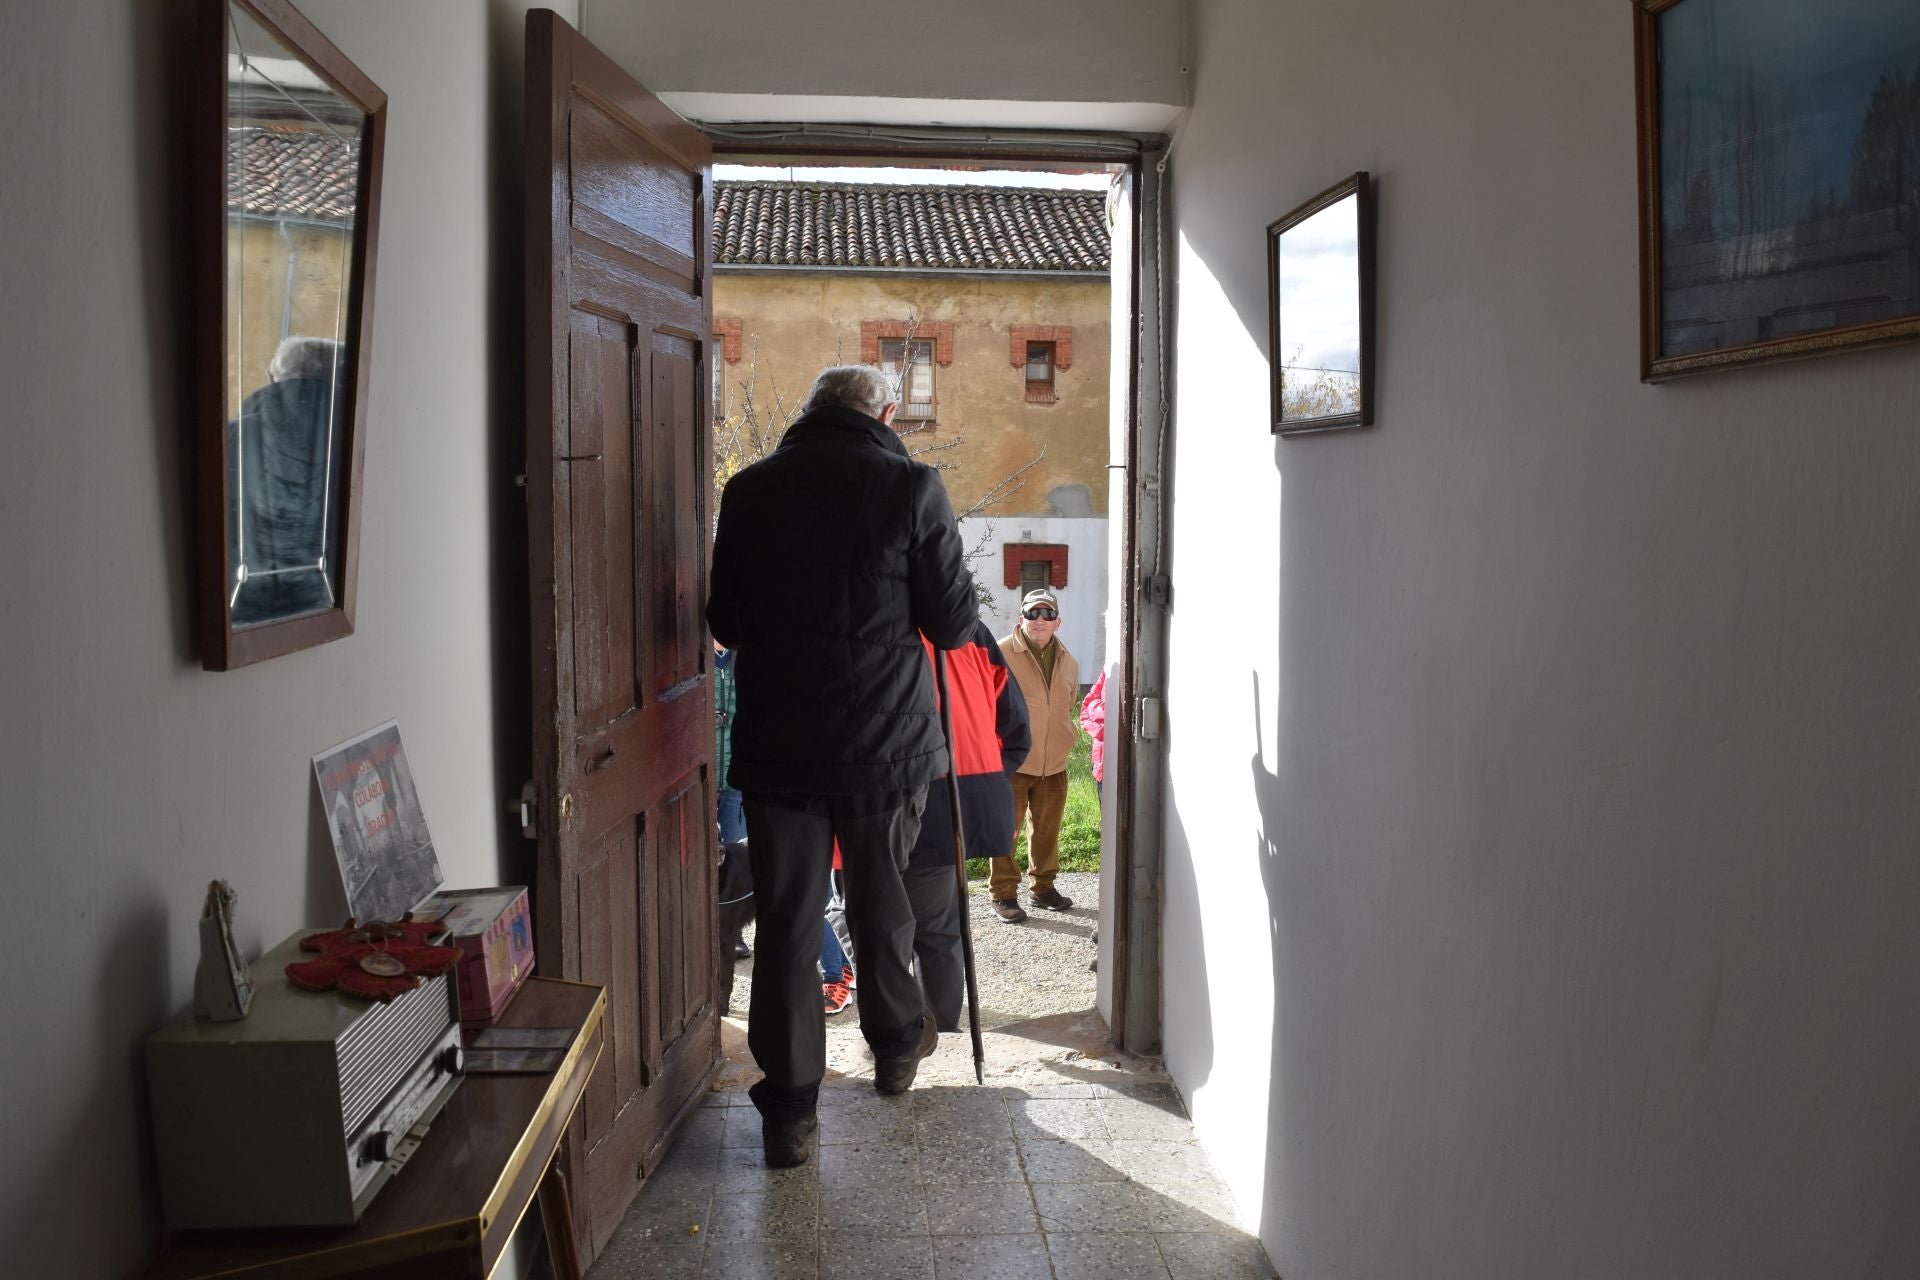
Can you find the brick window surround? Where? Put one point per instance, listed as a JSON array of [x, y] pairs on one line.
[[939, 331], [1055, 554], [1060, 335], [727, 329]]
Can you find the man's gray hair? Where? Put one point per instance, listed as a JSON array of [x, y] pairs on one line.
[[860, 387], [300, 357]]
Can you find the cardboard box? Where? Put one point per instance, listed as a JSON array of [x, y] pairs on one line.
[[495, 930]]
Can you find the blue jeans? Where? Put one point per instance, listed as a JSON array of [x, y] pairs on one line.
[[733, 818]]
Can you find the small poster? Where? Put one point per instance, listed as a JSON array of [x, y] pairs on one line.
[[387, 862]]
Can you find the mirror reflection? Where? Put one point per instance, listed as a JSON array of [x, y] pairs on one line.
[[1317, 270], [293, 182]]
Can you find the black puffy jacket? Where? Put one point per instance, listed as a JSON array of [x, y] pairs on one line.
[[834, 553]]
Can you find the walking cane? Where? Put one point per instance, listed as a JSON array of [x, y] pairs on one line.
[[960, 867]]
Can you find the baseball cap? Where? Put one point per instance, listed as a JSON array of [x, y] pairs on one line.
[[1040, 595]]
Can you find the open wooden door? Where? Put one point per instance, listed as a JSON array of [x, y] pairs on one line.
[[618, 324]]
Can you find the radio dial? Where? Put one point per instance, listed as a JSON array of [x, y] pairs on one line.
[[378, 1148]]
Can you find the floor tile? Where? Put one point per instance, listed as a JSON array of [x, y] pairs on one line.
[[1104, 1256], [876, 1258], [743, 1169], [1189, 1206], [1092, 1206], [664, 1215], [975, 1209], [1063, 1089], [866, 1164], [966, 1160], [685, 1171], [991, 1258], [1059, 1119], [1214, 1256], [742, 1127], [1160, 1162], [792, 1214], [866, 1122], [630, 1259], [882, 1209], [1129, 1118], [1088, 1161], [763, 1260]]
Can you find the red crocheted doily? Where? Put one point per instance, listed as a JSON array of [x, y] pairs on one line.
[[405, 949]]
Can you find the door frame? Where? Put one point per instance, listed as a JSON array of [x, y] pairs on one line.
[[1129, 948]]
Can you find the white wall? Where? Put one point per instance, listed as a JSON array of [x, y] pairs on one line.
[[841, 59], [1082, 601], [1540, 875], [132, 776]]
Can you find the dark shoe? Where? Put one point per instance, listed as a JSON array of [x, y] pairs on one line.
[[788, 1142], [1052, 899], [895, 1075], [740, 950], [1008, 910]]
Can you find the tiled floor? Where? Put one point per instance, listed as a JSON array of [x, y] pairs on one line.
[[1062, 1181]]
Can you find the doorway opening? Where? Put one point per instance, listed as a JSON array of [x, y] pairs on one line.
[[993, 289]]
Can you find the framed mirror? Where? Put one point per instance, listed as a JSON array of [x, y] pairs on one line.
[[290, 140], [1320, 310]]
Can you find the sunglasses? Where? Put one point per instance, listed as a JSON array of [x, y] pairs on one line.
[[1040, 613]]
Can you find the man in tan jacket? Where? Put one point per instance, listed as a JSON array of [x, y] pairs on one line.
[[1049, 680]]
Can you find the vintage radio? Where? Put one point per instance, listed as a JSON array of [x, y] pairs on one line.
[[494, 932], [299, 1113]]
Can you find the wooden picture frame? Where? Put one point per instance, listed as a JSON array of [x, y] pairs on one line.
[[306, 88], [1768, 228], [1320, 298]]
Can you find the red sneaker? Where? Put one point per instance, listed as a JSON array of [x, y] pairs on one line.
[[836, 995], [848, 975]]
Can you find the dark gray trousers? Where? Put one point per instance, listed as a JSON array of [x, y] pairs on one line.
[[935, 895], [790, 840]]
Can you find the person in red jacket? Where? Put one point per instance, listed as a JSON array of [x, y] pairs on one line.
[[991, 738]]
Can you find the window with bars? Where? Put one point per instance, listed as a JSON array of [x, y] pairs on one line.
[[1040, 366], [910, 361]]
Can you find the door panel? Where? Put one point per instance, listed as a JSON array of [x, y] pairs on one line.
[[618, 307]]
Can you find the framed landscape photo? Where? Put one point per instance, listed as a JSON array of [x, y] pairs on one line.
[[1320, 310], [1779, 153]]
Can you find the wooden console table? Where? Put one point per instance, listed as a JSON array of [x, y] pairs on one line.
[[451, 1210]]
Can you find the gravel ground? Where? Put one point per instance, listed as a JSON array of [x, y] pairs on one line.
[[1031, 970], [1036, 1005]]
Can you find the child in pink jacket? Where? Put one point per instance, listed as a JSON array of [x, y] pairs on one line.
[[1093, 718]]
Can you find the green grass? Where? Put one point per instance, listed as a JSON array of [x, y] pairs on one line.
[[1079, 828]]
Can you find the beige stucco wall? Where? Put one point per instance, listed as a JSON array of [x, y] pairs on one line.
[[258, 254], [793, 324]]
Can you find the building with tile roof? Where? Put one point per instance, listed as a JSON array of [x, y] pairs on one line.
[[993, 305]]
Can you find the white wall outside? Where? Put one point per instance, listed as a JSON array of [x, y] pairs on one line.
[[1081, 600], [1539, 889]]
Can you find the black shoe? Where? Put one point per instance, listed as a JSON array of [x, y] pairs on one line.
[[895, 1075], [1052, 899], [788, 1141], [1009, 910], [740, 950]]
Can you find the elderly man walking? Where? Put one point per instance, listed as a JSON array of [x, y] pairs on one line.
[[1049, 679], [834, 555]]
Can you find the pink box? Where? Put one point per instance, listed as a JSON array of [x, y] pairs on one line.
[[493, 928]]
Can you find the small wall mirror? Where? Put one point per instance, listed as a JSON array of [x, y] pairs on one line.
[[1320, 310], [292, 135]]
